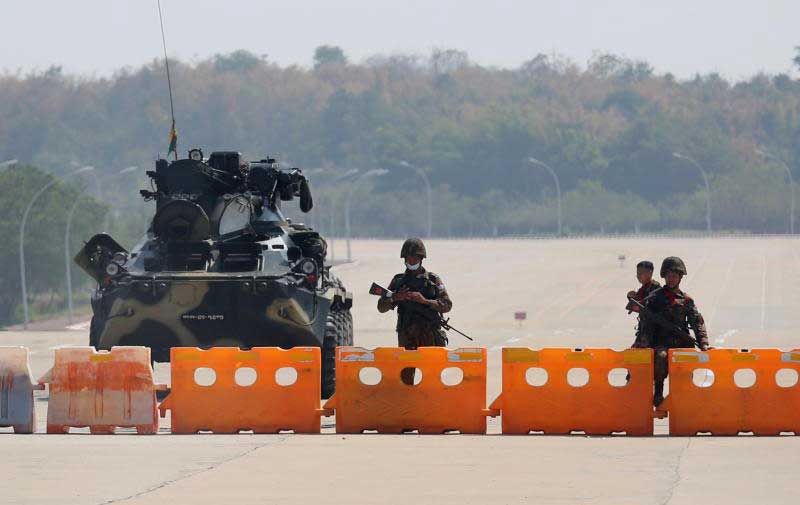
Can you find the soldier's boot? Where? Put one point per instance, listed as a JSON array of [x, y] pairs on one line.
[[658, 394], [660, 373]]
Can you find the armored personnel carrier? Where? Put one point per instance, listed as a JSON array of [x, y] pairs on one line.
[[220, 265]]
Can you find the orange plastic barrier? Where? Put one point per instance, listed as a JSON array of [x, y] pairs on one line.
[[548, 403], [234, 401], [16, 390], [719, 406], [102, 390], [391, 406]]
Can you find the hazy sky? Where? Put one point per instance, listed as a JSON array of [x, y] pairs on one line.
[[735, 38]]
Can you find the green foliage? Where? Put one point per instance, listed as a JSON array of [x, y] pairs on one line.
[[237, 61], [796, 59], [44, 239], [328, 55], [609, 130]]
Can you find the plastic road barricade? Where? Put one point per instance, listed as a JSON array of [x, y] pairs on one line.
[[102, 390], [560, 391], [16, 390], [731, 391], [227, 390], [448, 391]]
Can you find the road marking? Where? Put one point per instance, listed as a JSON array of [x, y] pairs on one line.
[[764, 289], [696, 271], [724, 289], [722, 338], [509, 341], [604, 283], [598, 288], [796, 257]]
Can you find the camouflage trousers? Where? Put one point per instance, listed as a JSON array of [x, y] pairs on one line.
[[411, 341], [661, 365]]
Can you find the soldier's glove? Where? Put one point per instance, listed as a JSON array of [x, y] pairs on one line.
[[417, 298], [400, 296], [631, 307]]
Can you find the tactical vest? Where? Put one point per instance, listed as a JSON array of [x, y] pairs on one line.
[[423, 316], [673, 308]]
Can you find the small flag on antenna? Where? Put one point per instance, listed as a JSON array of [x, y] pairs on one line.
[[173, 140]]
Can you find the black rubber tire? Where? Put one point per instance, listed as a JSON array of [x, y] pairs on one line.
[[338, 332], [348, 317]]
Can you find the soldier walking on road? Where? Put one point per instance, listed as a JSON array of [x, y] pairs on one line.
[[420, 297], [671, 313]]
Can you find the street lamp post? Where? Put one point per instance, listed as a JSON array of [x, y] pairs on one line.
[[332, 226], [428, 189], [705, 180], [332, 215], [554, 175], [369, 173], [338, 178], [22, 239], [772, 157], [67, 240], [107, 219]]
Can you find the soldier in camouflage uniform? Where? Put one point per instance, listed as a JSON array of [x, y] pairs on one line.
[[644, 274], [420, 297], [678, 309]]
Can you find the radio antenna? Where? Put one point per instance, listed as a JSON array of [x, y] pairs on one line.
[[173, 133]]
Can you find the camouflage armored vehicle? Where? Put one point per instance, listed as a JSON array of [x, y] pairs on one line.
[[220, 265]]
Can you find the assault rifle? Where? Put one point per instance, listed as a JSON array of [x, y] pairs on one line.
[[413, 307], [658, 318]]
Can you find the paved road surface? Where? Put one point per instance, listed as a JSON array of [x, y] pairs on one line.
[[573, 291]]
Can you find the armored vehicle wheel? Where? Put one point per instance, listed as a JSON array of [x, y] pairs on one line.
[[338, 332]]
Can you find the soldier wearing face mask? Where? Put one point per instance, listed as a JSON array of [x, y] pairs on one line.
[[421, 326]]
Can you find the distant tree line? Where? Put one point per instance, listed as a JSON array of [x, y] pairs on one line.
[[44, 239], [609, 129]]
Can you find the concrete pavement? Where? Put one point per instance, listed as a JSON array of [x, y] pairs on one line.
[[573, 291]]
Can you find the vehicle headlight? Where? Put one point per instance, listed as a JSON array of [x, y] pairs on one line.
[[119, 258], [308, 267], [112, 269]]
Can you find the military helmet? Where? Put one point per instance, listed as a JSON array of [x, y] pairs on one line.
[[672, 263], [413, 247]]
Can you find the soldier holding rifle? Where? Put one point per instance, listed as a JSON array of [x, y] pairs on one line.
[[420, 298], [666, 318]]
